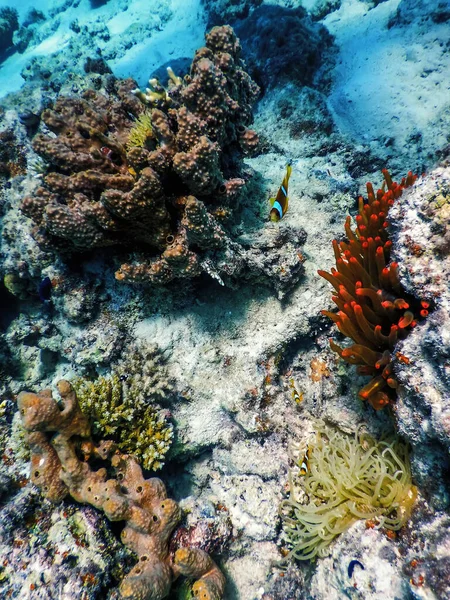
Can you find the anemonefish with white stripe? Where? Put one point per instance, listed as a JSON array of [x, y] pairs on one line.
[[298, 396], [304, 467], [281, 202]]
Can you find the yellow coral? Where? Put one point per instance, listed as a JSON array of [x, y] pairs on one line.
[[120, 406], [138, 428], [141, 132], [349, 477]]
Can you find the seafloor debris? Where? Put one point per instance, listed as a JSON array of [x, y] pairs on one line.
[[373, 308], [151, 517]]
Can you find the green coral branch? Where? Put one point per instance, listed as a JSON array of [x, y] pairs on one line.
[[121, 406]]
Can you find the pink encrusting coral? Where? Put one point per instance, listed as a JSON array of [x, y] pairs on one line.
[[372, 308], [61, 447], [120, 165]]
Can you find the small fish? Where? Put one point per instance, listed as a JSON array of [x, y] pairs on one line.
[[45, 289], [280, 204], [352, 565], [297, 396], [111, 155], [304, 467], [107, 152]]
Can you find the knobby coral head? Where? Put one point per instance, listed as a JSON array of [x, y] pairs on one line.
[[373, 309], [120, 161]]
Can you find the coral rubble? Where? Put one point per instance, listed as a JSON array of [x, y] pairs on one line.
[[148, 170], [151, 517], [348, 478], [373, 311]]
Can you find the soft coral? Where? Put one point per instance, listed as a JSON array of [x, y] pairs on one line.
[[372, 311]]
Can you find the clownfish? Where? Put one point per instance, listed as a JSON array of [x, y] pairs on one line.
[[107, 152], [296, 395], [304, 467], [281, 202]]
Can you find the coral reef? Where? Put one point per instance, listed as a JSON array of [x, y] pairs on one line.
[[347, 478], [409, 11], [283, 45], [12, 156], [423, 543], [9, 23], [226, 12], [275, 254], [289, 584], [420, 225], [148, 170], [206, 526], [373, 311], [150, 516], [236, 356], [121, 407], [56, 551]]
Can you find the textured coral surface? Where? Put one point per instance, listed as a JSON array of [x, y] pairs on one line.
[[146, 170], [150, 516]]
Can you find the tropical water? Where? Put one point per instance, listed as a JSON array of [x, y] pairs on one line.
[[224, 354]]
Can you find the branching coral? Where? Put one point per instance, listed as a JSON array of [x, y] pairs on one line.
[[349, 478], [58, 470], [121, 407], [121, 163], [373, 311]]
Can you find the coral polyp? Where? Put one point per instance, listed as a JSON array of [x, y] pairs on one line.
[[372, 307]]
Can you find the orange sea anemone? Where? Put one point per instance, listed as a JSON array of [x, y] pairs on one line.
[[372, 309]]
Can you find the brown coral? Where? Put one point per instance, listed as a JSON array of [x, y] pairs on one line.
[[102, 189], [150, 516], [373, 311], [12, 155]]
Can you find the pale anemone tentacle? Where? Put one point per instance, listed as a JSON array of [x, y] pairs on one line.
[[349, 478]]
